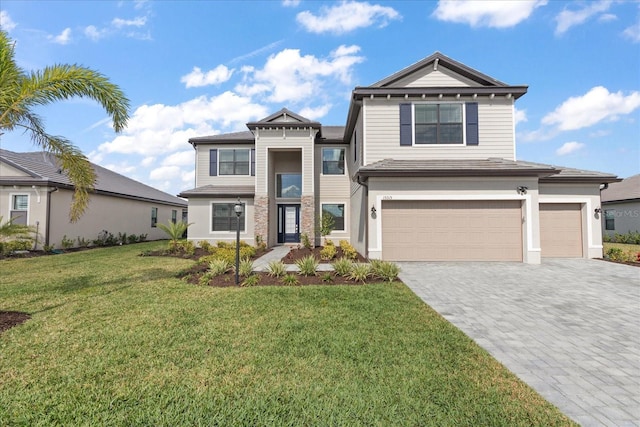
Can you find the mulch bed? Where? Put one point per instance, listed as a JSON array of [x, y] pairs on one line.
[[9, 319], [301, 252], [193, 275], [633, 264]]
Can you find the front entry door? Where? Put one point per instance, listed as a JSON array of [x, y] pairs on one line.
[[288, 223]]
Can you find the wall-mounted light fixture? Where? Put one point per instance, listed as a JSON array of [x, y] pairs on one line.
[[373, 210], [522, 189], [597, 210]]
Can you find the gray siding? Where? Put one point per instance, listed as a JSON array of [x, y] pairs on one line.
[[439, 78]]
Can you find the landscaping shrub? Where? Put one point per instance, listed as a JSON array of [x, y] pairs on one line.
[[15, 245], [360, 272], [385, 270], [630, 238], [305, 240], [253, 280], [327, 278], [218, 267], [245, 269], [132, 238], [276, 268], [66, 242], [260, 243], [328, 252], [205, 245], [307, 265], [229, 253], [616, 254], [348, 250], [343, 267], [290, 280]]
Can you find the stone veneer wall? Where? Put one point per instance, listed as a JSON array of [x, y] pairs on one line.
[[308, 216], [261, 217]]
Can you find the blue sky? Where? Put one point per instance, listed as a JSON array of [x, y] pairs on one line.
[[207, 67]]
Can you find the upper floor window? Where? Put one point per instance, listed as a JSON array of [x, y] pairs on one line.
[[289, 185], [438, 124], [333, 161], [234, 162]]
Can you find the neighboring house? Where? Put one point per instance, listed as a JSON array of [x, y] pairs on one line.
[[425, 169], [34, 191], [621, 206]]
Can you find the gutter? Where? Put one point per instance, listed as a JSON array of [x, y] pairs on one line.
[[49, 196]]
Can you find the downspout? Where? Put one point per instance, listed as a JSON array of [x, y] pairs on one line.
[[46, 234]]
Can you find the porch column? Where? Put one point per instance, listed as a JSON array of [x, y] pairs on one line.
[[307, 217], [261, 217]]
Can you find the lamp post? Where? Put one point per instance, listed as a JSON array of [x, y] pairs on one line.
[[238, 210]]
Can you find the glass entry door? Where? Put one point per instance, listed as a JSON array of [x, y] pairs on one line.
[[288, 223]]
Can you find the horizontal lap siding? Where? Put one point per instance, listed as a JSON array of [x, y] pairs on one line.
[[383, 134], [202, 169], [437, 78]]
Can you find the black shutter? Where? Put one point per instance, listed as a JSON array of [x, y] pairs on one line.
[[253, 162], [472, 123], [406, 127], [213, 162]]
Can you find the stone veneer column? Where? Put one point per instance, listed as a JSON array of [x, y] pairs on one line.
[[308, 217], [261, 218]]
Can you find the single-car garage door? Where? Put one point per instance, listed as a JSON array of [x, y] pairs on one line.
[[452, 230], [561, 230]]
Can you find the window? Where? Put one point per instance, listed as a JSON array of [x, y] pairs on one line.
[[609, 220], [234, 162], [333, 161], [438, 124], [289, 185], [154, 217], [174, 216], [224, 218], [337, 212], [19, 208]]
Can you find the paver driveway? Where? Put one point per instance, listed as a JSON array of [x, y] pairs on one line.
[[570, 328]]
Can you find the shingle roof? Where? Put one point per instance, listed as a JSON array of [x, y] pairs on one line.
[[44, 169], [627, 189], [567, 174], [221, 191], [451, 167], [327, 134]]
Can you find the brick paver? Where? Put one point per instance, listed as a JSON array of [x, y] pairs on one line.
[[570, 328]]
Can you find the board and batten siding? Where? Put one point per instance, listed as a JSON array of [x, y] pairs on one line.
[[202, 169], [382, 133]]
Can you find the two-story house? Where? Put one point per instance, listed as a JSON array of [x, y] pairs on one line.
[[425, 169]]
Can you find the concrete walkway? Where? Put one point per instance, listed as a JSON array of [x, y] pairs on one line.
[[569, 328], [276, 254]]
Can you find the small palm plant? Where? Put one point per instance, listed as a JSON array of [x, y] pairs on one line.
[[175, 231], [11, 230]]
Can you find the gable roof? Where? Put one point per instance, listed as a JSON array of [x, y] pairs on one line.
[[284, 117], [434, 60], [43, 169], [627, 189]]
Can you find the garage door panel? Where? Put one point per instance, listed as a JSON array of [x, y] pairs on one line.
[[475, 230], [561, 230]]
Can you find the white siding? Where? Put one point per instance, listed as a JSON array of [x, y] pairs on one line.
[[495, 131], [441, 77]]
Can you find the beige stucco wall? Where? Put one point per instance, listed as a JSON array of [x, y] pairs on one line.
[[588, 196], [200, 216], [37, 210], [456, 189], [626, 217]]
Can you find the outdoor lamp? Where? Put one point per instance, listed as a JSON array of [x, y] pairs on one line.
[[237, 208]]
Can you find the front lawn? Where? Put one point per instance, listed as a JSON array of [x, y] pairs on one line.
[[117, 339]]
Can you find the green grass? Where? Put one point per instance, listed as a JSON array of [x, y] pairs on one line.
[[625, 247], [116, 339]]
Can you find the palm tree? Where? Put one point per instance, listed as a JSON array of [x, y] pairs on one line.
[[21, 91], [175, 231]]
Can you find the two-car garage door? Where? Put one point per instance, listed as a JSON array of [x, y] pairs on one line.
[[452, 230]]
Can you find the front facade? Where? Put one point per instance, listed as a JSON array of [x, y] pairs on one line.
[[621, 207], [35, 192], [425, 169]]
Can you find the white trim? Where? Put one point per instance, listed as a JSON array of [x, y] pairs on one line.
[[586, 208], [513, 126], [364, 132], [411, 197], [226, 202], [28, 210], [344, 163], [346, 208], [439, 102]]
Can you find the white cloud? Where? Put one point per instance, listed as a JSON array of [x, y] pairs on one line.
[[165, 172], [289, 77], [181, 158], [494, 14], [147, 161], [593, 107], [315, 113], [570, 18], [519, 116], [569, 147], [197, 78], [258, 51], [6, 23], [633, 32], [607, 17], [140, 21], [290, 3], [347, 16], [63, 38], [94, 33]]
